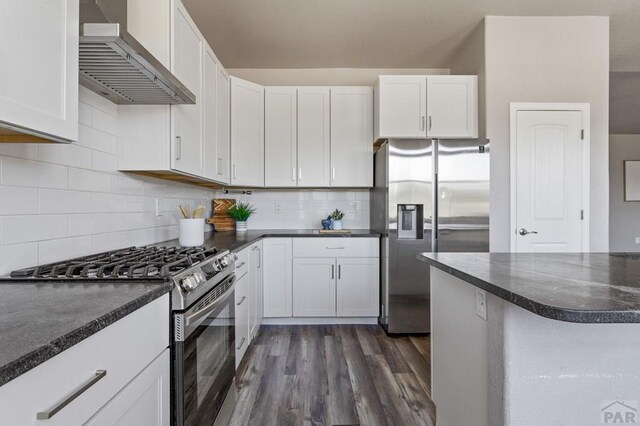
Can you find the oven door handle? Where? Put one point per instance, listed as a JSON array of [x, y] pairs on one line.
[[207, 309]]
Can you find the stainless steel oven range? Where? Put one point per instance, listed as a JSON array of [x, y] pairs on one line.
[[202, 317]]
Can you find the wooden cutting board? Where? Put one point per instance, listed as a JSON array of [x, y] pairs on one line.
[[221, 220], [334, 231]]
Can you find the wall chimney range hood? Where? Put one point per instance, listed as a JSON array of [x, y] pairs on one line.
[[115, 65]]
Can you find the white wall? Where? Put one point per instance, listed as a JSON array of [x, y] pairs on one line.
[[323, 76], [624, 217], [59, 201], [305, 209], [547, 59]]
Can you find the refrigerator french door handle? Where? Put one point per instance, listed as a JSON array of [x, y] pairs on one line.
[[434, 201]]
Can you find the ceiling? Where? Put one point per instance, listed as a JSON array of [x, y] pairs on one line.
[[382, 33]]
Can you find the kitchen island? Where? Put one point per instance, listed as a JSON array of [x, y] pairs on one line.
[[535, 339]]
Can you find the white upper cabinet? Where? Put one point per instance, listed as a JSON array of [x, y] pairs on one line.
[[401, 106], [209, 114], [187, 65], [280, 137], [314, 138], [433, 106], [452, 106], [351, 137], [39, 71], [223, 125], [247, 133]]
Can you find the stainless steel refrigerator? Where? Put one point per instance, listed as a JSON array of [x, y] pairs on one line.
[[428, 195]]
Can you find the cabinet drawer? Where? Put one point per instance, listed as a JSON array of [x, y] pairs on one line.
[[242, 318], [123, 349], [335, 247], [242, 264]]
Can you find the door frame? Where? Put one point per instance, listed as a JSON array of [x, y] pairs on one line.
[[585, 109]]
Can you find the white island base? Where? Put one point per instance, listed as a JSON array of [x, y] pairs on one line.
[[517, 368]]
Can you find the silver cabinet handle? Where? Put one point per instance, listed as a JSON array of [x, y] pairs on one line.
[[99, 375], [241, 343], [300, 174], [241, 300], [335, 248], [259, 258], [422, 123], [220, 166], [178, 147], [429, 123], [234, 171], [240, 265], [333, 173], [333, 271], [339, 271], [293, 174], [523, 231]]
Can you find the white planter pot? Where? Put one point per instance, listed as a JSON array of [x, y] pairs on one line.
[[337, 225], [191, 232], [241, 226]]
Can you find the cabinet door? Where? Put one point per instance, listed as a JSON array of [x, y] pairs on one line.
[[314, 145], [351, 137], [144, 401], [209, 106], [314, 287], [186, 64], [242, 317], [255, 289], [452, 106], [39, 71], [358, 287], [247, 133], [277, 276], [223, 113], [280, 137], [401, 108]]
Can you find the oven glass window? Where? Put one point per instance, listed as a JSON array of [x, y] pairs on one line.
[[209, 365]]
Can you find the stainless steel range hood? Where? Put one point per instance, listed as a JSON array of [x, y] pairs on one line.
[[115, 65]]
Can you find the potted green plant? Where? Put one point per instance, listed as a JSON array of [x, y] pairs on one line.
[[241, 213], [337, 216]]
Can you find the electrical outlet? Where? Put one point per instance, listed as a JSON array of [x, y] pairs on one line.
[[353, 207], [481, 304], [158, 209], [637, 240], [277, 208]]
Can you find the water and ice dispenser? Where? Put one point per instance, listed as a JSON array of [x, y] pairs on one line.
[[410, 221]]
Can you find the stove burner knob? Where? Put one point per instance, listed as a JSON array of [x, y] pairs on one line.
[[189, 282], [224, 261], [200, 279], [216, 266]]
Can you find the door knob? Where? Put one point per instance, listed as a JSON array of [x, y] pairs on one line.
[[523, 231]]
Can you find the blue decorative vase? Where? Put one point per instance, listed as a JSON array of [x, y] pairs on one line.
[[326, 223]]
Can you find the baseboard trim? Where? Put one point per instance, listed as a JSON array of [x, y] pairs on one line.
[[320, 321]]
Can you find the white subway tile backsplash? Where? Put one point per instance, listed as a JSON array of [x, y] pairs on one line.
[[27, 151], [96, 139], [84, 113], [64, 248], [20, 172], [104, 162], [17, 256], [89, 180], [103, 203], [17, 200], [26, 228], [104, 122], [61, 201], [87, 224]]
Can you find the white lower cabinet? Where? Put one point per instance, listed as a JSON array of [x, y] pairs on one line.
[[255, 293], [249, 297], [143, 402], [113, 371], [314, 287], [277, 277], [358, 287]]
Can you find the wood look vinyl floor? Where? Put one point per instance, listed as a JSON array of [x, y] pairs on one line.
[[334, 375]]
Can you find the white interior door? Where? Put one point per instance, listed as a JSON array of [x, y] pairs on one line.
[[549, 181]]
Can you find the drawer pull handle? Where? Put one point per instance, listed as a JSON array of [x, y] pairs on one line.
[[241, 343], [240, 265], [335, 248], [52, 412], [241, 300]]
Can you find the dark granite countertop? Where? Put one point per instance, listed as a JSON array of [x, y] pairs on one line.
[[40, 320], [232, 241], [572, 287]]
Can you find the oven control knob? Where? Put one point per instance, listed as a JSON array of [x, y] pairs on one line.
[[200, 279], [216, 266], [188, 283], [224, 261]]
